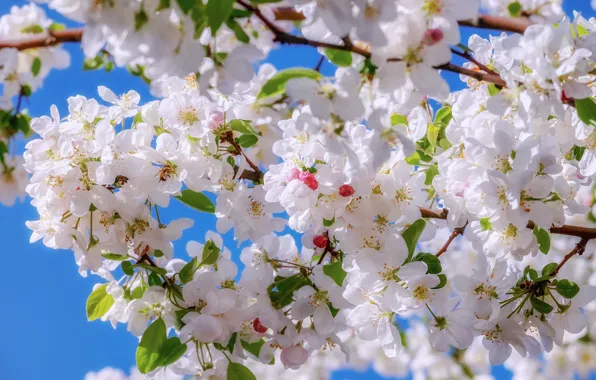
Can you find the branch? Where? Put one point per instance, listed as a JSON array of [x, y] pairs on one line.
[[484, 21], [467, 56], [478, 75], [579, 249], [53, 38], [456, 232]]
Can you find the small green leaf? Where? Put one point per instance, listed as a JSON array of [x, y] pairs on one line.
[[218, 11], [281, 292], [93, 63], [36, 66], [431, 172], [432, 262], [342, 58], [186, 5], [188, 270], [98, 303], [237, 371], [586, 110], [442, 283], [493, 89], [397, 118], [567, 289], [198, 201], [32, 29], [246, 141], [543, 239], [148, 353], [443, 116], [238, 31], [56, 27], [540, 306], [336, 272], [432, 133], [114, 256], [138, 292], [276, 85], [411, 236], [253, 348], [485, 224], [242, 126], [532, 274], [170, 351], [26, 90], [210, 253], [141, 19], [548, 269], [127, 268], [328, 223], [163, 4], [154, 279], [515, 9]]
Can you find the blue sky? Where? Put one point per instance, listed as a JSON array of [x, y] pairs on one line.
[[44, 332]]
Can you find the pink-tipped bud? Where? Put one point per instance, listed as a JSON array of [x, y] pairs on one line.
[[256, 324], [215, 120], [433, 36], [293, 174], [320, 241], [346, 190], [309, 180]]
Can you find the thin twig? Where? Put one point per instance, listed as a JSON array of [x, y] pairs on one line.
[[467, 56], [578, 250], [456, 232]]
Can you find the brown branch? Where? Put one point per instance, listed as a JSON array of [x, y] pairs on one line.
[[456, 232], [478, 75], [467, 56], [53, 38], [578, 250]]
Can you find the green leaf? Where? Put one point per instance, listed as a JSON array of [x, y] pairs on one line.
[[442, 283], [515, 9], [586, 110], [22, 124], [532, 274], [170, 351], [186, 5], [188, 270], [148, 353], [281, 292], [198, 201], [246, 141], [155, 350], [432, 133], [485, 224], [242, 126], [141, 19], [127, 268], [114, 256], [26, 90], [540, 306], [336, 272], [328, 223], [154, 279], [443, 116], [238, 31], [411, 236], [338, 57], [36, 66], [431, 172], [493, 89], [253, 348], [210, 253], [163, 4], [98, 303], [151, 268], [567, 289], [237, 371], [32, 29], [548, 269], [543, 239], [398, 119], [93, 63], [56, 27], [432, 262], [276, 85], [218, 11], [138, 292]]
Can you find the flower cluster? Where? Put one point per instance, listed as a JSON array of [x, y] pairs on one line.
[[404, 201]]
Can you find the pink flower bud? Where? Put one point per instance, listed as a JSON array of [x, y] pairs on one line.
[[293, 357], [346, 190], [309, 180], [433, 36], [256, 324], [320, 241], [215, 120], [293, 174]]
